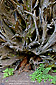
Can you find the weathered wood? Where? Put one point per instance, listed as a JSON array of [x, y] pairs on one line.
[[28, 27]]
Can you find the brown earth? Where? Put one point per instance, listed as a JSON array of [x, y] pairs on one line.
[[21, 79]]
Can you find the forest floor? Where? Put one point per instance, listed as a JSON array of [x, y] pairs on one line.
[[21, 79]]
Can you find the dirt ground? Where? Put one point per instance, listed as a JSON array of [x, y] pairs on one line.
[[21, 79]]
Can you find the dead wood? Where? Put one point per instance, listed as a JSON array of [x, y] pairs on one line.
[[28, 27]]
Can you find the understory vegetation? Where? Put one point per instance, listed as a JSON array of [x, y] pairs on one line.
[[42, 74]]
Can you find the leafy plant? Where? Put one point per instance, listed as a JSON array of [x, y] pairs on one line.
[[42, 74], [54, 71], [8, 72]]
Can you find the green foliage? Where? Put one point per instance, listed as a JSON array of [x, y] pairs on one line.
[[8, 72], [54, 70], [42, 74], [54, 80]]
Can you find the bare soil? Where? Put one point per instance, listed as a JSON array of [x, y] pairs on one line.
[[20, 79]]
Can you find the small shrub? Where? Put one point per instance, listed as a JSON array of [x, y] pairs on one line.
[[8, 72], [42, 74]]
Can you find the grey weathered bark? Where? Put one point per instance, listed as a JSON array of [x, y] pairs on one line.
[[28, 27]]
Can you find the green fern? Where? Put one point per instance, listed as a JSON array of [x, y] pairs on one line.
[[8, 72], [42, 74]]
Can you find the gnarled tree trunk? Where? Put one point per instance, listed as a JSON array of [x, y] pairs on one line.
[[28, 27]]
